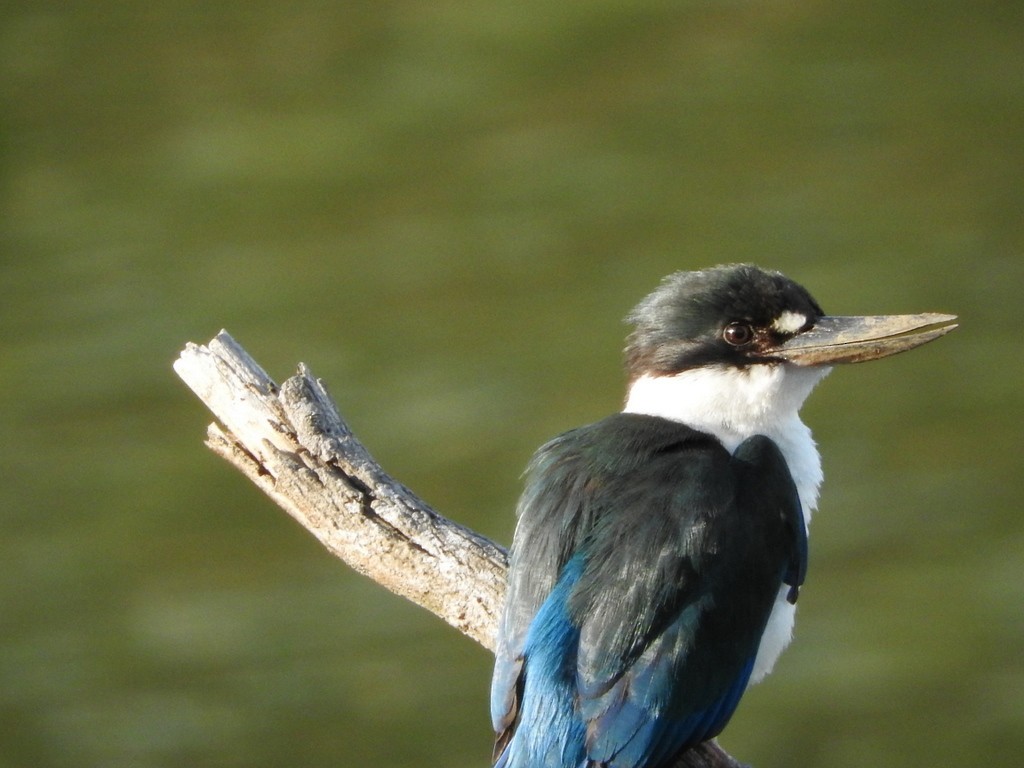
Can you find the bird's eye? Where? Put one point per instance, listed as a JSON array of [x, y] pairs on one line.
[[738, 334]]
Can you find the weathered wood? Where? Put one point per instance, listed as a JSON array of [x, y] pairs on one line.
[[293, 444]]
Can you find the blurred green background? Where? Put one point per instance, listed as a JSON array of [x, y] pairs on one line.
[[446, 208]]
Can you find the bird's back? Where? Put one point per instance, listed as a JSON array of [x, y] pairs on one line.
[[644, 567]]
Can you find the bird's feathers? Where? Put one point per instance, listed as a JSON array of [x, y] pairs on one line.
[[645, 565]]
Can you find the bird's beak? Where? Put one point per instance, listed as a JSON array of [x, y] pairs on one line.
[[856, 339]]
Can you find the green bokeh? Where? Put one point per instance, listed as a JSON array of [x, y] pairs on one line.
[[445, 209]]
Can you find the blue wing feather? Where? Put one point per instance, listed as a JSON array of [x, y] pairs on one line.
[[549, 732]]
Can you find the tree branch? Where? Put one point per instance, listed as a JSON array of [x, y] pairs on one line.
[[292, 443]]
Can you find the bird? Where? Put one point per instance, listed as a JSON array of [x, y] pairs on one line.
[[659, 553]]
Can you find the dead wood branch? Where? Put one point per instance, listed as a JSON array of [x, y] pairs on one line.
[[292, 443]]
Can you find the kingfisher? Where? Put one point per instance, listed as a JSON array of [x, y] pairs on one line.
[[659, 552]]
